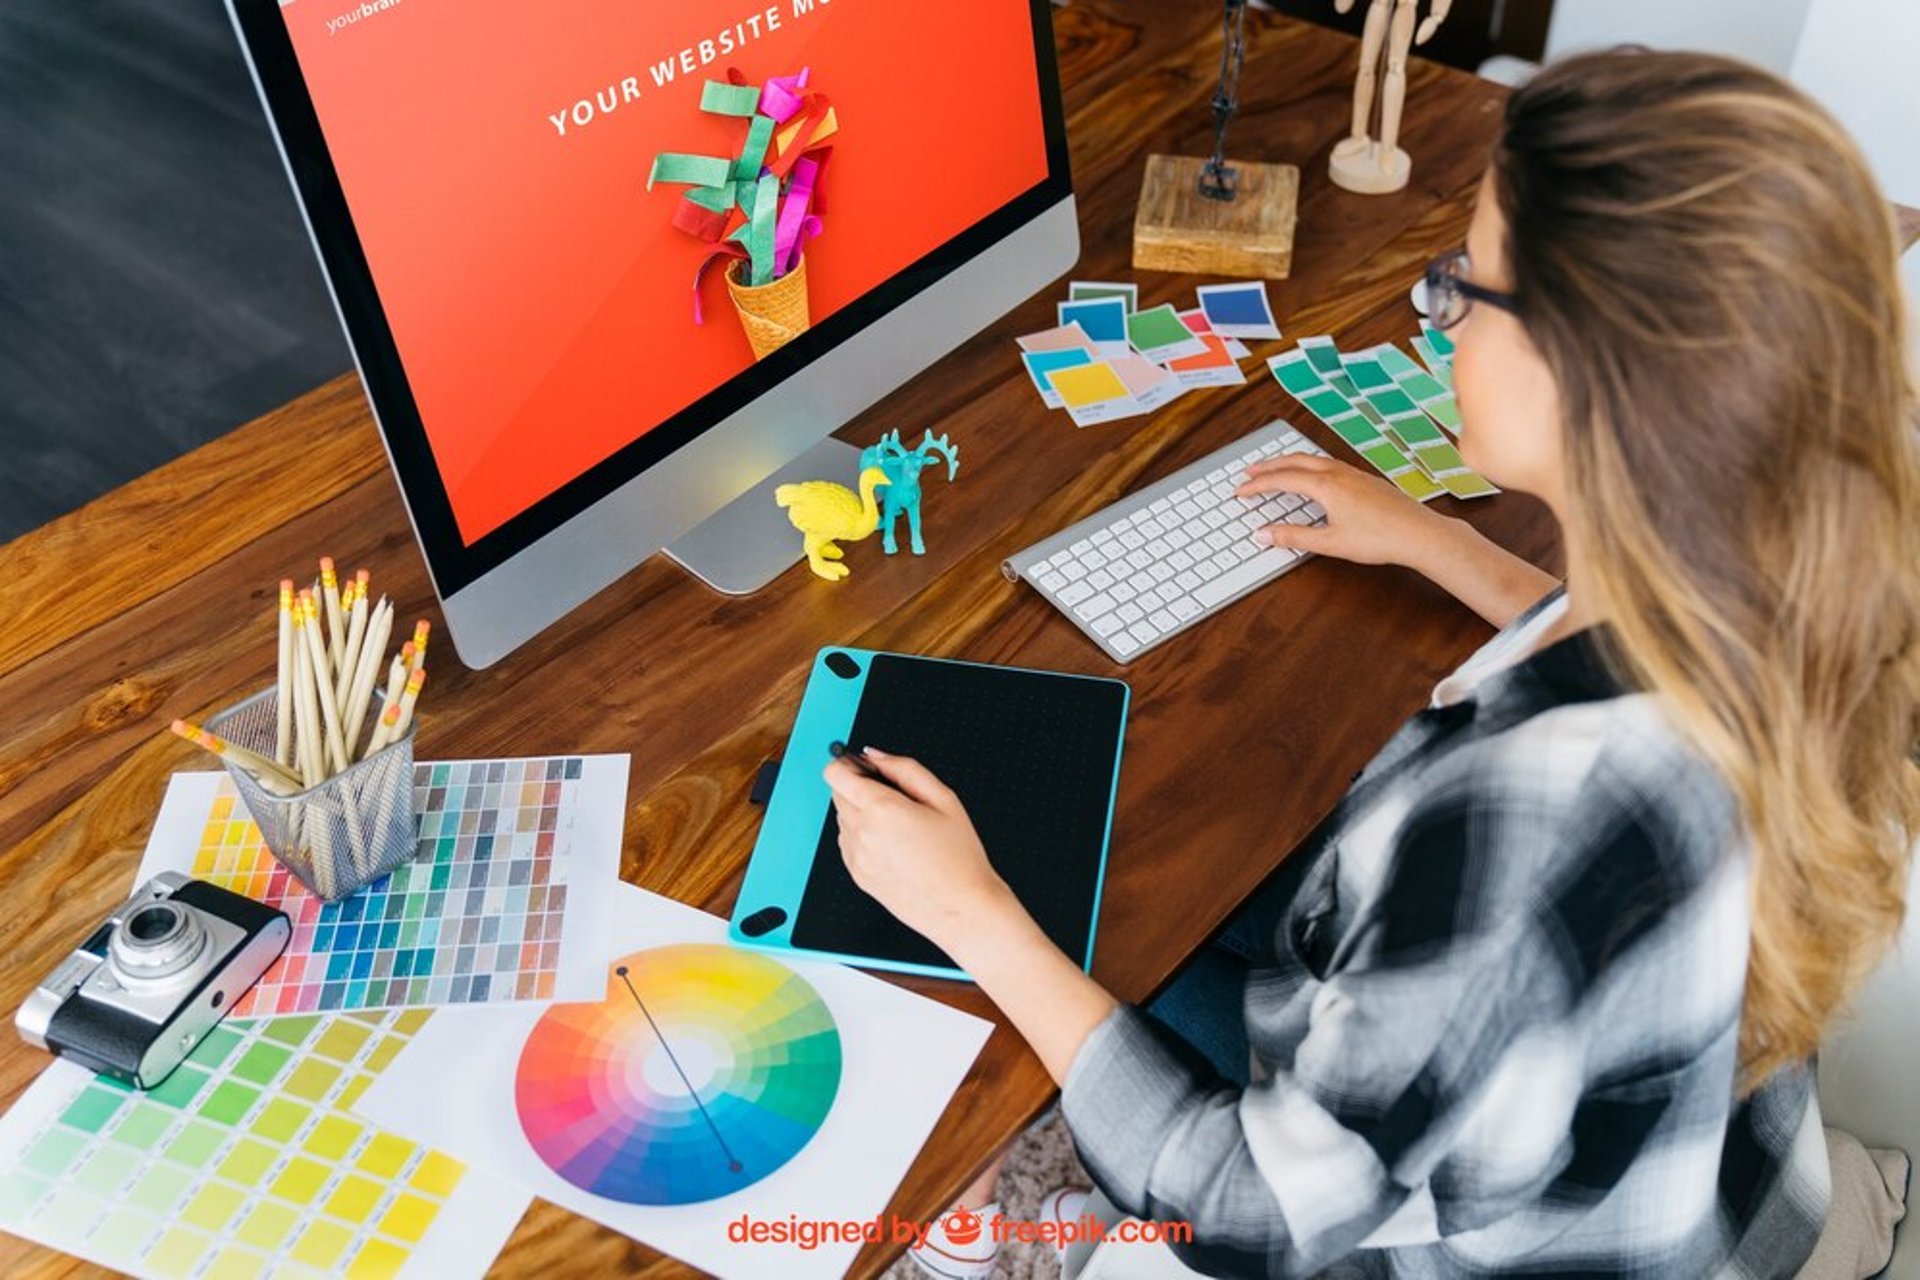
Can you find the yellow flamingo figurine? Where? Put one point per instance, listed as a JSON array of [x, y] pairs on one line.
[[826, 513]]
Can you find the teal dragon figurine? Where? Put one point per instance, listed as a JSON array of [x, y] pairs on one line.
[[902, 467]]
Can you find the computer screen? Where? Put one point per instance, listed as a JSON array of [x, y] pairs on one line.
[[493, 159]]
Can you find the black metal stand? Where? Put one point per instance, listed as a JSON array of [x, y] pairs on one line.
[[1218, 181]]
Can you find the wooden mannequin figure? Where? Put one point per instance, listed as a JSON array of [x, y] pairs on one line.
[[1361, 162]]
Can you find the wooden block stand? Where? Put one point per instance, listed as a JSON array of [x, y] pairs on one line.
[[1178, 229]]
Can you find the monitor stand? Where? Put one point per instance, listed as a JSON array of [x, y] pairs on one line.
[[749, 542]]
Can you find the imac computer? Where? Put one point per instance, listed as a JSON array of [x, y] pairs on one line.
[[520, 299]]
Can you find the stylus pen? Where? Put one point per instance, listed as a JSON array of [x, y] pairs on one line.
[[858, 759]]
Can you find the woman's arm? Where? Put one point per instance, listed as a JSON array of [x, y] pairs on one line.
[[1485, 577], [915, 850], [1050, 1001], [1161, 1133], [1371, 522]]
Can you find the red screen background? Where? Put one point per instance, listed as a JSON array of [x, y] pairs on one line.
[[538, 295]]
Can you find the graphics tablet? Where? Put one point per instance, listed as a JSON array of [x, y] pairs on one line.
[[1034, 756]]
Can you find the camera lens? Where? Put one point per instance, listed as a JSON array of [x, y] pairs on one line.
[[150, 925], [156, 940]]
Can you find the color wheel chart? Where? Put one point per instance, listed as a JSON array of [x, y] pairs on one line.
[[703, 1070], [245, 1160], [477, 918]]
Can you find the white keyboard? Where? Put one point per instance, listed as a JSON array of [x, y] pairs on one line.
[[1158, 561]]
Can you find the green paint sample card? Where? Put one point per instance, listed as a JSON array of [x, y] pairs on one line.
[[1428, 390], [1416, 429], [246, 1161], [1438, 367], [1322, 356], [1469, 484], [1160, 335], [1294, 372]]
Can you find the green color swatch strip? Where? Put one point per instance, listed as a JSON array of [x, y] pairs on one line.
[[1295, 371], [245, 1155]]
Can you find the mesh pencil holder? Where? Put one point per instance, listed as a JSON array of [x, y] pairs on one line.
[[343, 833]]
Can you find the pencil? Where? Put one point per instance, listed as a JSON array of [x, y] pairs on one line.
[[283, 688], [407, 701], [330, 586], [420, 630], [356, 634], [304, 712], [270, 775], [397, 672], [367, 670], [322, 688], [397, 716]]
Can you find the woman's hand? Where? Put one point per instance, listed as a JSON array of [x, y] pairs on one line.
[[1368, 520], [914, 849]]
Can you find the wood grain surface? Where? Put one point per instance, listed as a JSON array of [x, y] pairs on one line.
[[155, 601]]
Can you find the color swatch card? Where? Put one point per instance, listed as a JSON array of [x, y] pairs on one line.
[[1294, 371], [1328, 363], [1095, 393], [1068, 337], [1103, 319], [247, 1161], [1078, 290], [1215, 367], [702, 1083], [1434, 397], [1159, 336], [1042, 365], [1324, 356], [1196, 320], [1441, 344], [1412, 429], [1239, 310], [1149, 383], [1442, 370], [505, 900]]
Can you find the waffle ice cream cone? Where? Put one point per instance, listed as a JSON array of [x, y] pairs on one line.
[[772, 314]]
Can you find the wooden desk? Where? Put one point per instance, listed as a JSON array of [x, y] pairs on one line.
[[155, 601]]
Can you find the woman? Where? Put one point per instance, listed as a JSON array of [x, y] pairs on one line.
[[1547, 998]]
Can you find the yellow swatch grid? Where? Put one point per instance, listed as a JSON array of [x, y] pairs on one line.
[[245, 1161]]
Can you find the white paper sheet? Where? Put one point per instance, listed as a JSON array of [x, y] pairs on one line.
[[902, 1058], [505, 904]]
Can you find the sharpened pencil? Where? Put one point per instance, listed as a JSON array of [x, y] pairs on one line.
[[283, 675], [330, 595], [271, 775]]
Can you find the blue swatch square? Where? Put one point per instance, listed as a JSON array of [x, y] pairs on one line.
[[1103, 319], [1042, 364], [1247, 305]]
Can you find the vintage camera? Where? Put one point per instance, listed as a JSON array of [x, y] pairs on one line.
[[138, 995]]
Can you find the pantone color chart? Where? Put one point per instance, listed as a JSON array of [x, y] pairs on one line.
[[703, 1070], [487, 911], [245, 1160]]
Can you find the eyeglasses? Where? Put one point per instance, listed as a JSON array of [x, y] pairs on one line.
[[1450, 295]]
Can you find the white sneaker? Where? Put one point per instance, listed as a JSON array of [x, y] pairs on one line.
[[960, 1246], [1062, 1207]]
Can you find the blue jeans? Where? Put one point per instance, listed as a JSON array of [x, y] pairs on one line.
[[1204, 1004]]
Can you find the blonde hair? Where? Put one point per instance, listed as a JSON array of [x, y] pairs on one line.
[[1703, 258]]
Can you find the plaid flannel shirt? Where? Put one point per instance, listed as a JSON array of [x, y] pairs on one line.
[[1497, 1034]]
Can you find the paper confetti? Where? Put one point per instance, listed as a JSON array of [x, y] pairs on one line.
[[763, 204]]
